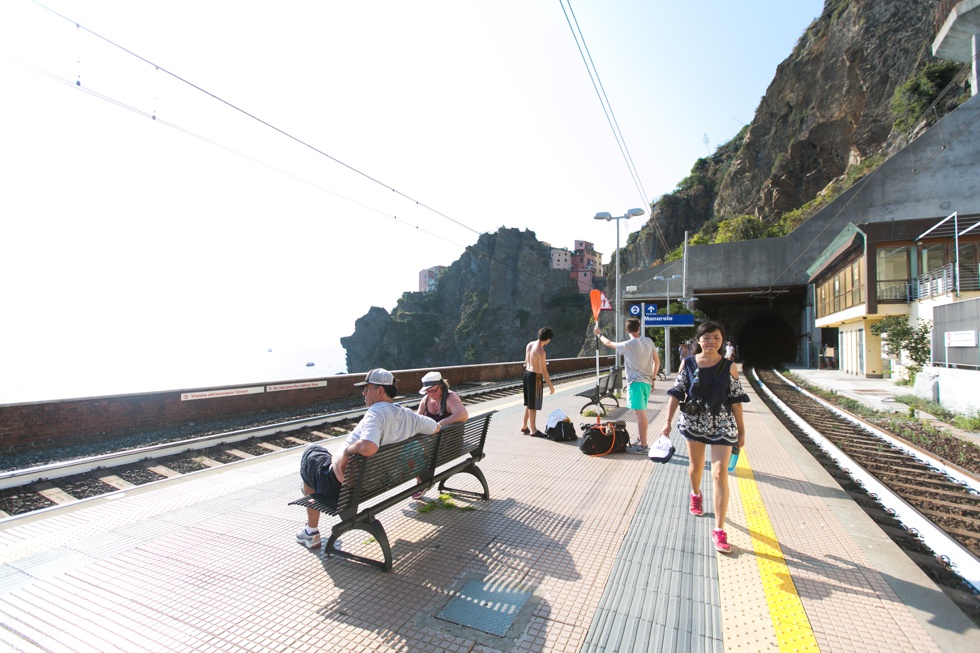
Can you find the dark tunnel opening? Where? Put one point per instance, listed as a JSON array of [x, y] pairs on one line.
[[767, 340]]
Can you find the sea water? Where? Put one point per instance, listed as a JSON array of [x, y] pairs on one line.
[[53, 375]]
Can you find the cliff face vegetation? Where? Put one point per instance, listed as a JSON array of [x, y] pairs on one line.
[[487, 306]]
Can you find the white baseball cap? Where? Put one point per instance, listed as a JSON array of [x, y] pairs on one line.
[[662, 450], [429, 380], [378, 376]]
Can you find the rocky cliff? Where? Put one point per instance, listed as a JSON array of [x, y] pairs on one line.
[[487, 306], [827, 116]]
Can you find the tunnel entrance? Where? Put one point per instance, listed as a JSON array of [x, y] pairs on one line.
[[767, 339]]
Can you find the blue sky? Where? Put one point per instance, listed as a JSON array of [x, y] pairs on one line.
[[204, 229]]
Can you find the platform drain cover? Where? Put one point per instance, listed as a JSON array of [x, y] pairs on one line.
[[485, 606]]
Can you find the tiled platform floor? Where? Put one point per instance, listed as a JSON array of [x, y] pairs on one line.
[[606, 546]]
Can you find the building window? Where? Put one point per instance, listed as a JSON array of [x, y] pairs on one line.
[[933, 258], [893, 273], [843, 290], [969, 268]]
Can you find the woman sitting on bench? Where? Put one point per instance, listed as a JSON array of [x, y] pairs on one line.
[[439, 403]]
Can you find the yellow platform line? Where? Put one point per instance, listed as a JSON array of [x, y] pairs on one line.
[[792, 628]]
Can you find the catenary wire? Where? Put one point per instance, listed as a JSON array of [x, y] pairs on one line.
[[254, 117], [230, 150], [607, 108], [269, 125], [252, 159]]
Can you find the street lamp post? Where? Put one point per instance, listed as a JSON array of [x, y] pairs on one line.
[[667, 352], [632, 213]]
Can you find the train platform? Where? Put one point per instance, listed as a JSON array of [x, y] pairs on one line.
[[878, 394], [571, 553]]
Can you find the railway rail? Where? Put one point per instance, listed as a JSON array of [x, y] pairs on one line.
[[59, 483], [929, 506]]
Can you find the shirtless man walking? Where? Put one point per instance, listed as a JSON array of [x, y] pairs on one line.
[[535, 371]]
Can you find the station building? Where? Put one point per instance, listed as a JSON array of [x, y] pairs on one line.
[[902, 241], [909, 268]]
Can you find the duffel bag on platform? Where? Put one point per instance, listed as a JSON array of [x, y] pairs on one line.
[[605, 438], [563, 431]]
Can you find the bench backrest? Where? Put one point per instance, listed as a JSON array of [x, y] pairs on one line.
[[392, 465], [606, 384], [460, 439], [401, 462]]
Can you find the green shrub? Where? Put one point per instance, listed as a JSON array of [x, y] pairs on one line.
[[912, 99]]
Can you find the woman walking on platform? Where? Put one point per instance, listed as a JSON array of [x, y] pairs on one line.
[[711, 413]]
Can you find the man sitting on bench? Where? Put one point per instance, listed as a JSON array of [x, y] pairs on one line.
[[383, 423]]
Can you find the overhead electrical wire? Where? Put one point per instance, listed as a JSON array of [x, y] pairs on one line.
[[156, 118], [583, 49], [119, 103], [253, 117]]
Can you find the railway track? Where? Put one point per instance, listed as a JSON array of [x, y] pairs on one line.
[[27, 491], [928, 506]]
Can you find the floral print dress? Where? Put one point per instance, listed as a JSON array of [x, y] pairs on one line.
[[716, 424]]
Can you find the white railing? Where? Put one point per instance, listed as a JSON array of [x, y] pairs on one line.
[[935, 283]]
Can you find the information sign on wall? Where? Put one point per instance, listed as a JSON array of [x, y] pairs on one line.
[[961, 338], [224, 392], [296, 386]]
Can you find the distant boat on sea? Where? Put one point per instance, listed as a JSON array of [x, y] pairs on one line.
[[310, 364]]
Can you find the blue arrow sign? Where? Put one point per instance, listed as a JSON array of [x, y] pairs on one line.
[[651, 309], [682, 319]]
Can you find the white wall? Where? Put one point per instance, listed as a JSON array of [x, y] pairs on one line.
[[957, 388]]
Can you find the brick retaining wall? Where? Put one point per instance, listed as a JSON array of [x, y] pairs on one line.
[[57, 423]]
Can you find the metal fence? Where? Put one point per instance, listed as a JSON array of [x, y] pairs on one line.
[[956, 319], [944, 281]]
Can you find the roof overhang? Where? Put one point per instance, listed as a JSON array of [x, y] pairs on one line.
[[850, 239]]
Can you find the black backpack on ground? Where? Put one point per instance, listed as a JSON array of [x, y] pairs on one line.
[[563, 431], [604, 438]]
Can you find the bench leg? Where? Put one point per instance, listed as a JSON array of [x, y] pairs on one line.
[[373, 527], [475, 471], [611, 398], [599, 407]]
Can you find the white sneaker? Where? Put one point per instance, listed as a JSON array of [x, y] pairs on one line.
[[308, 540]]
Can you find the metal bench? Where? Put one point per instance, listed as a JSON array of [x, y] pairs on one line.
[[605, 389], [422, 461]]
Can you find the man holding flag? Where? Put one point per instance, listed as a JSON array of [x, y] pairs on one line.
[[642, 363]]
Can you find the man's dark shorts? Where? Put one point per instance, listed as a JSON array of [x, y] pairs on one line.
[[533, 390], [315, 471]]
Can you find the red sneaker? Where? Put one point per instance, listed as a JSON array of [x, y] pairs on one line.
[[696, 505], [720, 538]]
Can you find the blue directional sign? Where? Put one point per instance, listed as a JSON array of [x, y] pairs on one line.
[[646, 309], [651, 311], [679, 319]]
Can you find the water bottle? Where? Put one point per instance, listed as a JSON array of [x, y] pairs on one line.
[[733, 459]]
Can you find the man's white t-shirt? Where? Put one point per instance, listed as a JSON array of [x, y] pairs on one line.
[[638, 356], [386, 422]]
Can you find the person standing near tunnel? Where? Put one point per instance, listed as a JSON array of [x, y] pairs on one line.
[[711, 414]]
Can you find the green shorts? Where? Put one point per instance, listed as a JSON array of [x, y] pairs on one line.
[[639, 395]]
